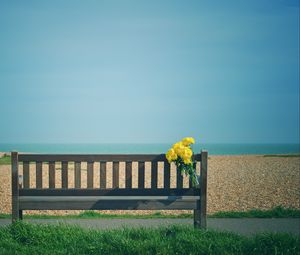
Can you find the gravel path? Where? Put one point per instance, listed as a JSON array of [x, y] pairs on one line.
[[240, 226], [235, 183]]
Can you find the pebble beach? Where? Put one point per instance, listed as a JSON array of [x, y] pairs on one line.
[[235, 183]]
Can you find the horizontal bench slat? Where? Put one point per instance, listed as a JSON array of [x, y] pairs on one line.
[[141, 204], [108, 192], [42, 199], [95, 157]]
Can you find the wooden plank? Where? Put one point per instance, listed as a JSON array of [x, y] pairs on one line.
[[141, 204], [115, 183], [103, 198], [197, 216], [203, 189], [95, 157], [26, 175], [154, 174], [51, 174], [39, 175], [195, 167], [77, 175], [15, 186], [128, 175], [64, 174], [90, 174], [109, 192], [21, 214], [179, 179], [141, 175], [167, 169], [102, 175]]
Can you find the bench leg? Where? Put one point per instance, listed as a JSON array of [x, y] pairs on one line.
[[15, 212], [21, 214], [197, 219]]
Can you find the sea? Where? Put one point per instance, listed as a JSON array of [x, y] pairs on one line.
[[157, 148]]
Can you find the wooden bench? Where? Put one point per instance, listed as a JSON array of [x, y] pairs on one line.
[[25, 197]]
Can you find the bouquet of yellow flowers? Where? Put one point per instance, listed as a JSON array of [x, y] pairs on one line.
[[182, 154]]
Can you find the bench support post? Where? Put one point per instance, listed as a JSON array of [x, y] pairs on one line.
[[16, 213], [200, 212]]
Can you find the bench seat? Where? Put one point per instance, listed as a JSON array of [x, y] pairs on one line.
[[108, 202]]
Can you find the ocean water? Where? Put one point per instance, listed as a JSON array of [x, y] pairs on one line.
[[213, 149]]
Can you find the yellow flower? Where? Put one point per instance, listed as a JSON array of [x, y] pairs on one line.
[[171, 155], [179, 148], [187, 141], [188, 151], [187, 161], [186, 155]]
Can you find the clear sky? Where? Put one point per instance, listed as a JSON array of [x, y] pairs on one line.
[[149, 71]]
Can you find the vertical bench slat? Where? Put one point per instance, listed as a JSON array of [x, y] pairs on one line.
[[39, 175], [190, 181], [90, 175], [154, 174], [64, 174], [179, 179], [77, 175], [141, 175], [102, 175], [115, 183], [26, 176], [128, 175], [51, 174], [167, 170]]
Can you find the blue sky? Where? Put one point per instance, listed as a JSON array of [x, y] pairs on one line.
[[149, 71]]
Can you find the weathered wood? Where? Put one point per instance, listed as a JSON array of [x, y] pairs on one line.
[[190, 180], [128, 175], [26, 175], [154, 174], [115, 198], [51, 174], [21, 214], [15, 186], [90, 175], [141, 175], [39, 175], [203, 189], [77, 175], [167, 170], [102, 175], [179, 179], [142, 204], [110, 198], [109, 192], [96, 157], [197, 215], [64, 174], [115, 179]]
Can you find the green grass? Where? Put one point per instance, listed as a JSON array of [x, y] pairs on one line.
[[25, 238], [277, 212], [281, 155], [6, 160]]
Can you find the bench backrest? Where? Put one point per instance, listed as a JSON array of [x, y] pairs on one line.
[[25, 197], [102, 189]]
